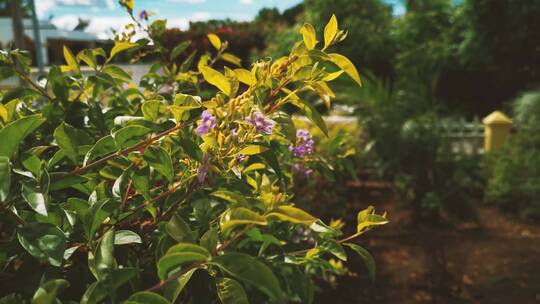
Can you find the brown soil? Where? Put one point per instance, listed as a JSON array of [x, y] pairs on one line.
[[495, 260]]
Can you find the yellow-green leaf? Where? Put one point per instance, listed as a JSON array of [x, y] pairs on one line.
[[367, 219], [347, 66], [70, 60], [216, 79], [252, 150], [239, 216], [215, 41], [330, 31], [245, 76], [254, 166], [120, 46], [293, 215], [332, 76], [178, 111], [4, 113], [308, 34], [232, 59]]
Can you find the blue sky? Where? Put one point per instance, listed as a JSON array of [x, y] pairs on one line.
[[107, 14]]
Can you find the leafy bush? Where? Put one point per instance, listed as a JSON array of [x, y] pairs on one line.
[[410, 148], [514, 171], [167, 191]]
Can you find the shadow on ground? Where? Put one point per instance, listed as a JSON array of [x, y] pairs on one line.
[[496, 260]]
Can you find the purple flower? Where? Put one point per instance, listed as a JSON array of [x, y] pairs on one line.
[[208, 122], [143, 15], [240, 158], [301, 170], [261, 123], [304, 144]]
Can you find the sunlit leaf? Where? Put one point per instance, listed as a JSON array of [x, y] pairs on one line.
[[239, 216], [309, 36], [14, 132], [216, 79], [292, 214], [330, 31], [214, 40], [347, 66]]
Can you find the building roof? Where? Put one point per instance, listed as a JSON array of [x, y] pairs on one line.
[[47, 31]]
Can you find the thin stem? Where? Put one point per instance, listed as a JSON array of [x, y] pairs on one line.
[[350, 237], [29, 80], [126, 151]]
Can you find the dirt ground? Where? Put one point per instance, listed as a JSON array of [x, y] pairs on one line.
[[496, 260]]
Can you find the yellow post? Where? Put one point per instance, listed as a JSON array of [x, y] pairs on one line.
[[496, 130]]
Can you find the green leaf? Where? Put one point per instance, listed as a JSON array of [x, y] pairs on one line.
[[37, 200], [43, 241], [308, 35], [178, 112], [120, 46], [160, 160], [116, 72], [105, 145], [123, 237], [366, 257], [71, 61], [178, 229], [330, 31], [334, 248], [312, 114], [14, 132], [66, 137], [104, 262], [347, 66], [65, 181], [94, 216], [230, 196], [286, 125], [215, 41], [88, 57], [48, 291], [141, 181], [179, 255], [94, 293], [216, 79], [191, 149], [240, 216], [151, 109], [5, 178], [179, 49], [293, 215], [252, 150], [209, 239], [230, 291], [129, 135], [146, 297], [172, 289], [250, 271]]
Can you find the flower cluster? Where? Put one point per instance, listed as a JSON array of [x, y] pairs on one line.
[[208, 122], [261, 123], [304, 144]]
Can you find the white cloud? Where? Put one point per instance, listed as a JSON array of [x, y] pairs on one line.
[[187, 1], [43, 6], [246, 2], [66, 22]]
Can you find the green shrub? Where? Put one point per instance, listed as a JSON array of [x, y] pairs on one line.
[[514, 171], [114, 192]]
